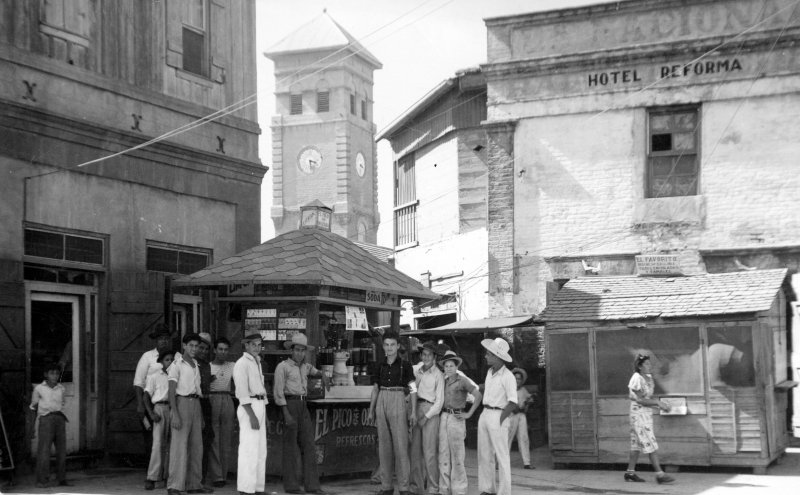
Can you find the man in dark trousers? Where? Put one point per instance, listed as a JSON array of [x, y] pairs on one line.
[[291, 387], [203, 361], [391, 380]]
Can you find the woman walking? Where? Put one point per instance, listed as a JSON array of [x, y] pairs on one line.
[[640, 391]]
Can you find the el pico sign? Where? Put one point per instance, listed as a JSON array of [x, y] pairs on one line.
[[658, 264]]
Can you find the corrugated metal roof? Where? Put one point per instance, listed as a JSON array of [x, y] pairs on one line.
[[309, 256], [624, 298], [321, 33]]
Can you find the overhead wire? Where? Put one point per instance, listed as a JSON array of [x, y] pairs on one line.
[[251, 99]]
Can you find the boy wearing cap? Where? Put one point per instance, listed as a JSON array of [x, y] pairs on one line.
[[156, 401], [186, 444], [291, 387], [518, 422], [425, 434], [390, 380], [248, 379], [499, 402], [453, 427]]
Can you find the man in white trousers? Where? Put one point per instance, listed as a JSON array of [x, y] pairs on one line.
[[499, 402], [249, 381]]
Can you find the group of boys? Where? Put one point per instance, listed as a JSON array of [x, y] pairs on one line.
[[430, 399], [187, 400], [190, 403]]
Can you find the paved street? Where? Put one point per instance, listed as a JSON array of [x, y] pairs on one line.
[[783, 477]]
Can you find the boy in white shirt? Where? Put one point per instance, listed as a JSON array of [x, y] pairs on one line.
[[156, 401], [48, 403]]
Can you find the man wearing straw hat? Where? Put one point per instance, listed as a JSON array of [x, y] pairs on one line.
[[499, 402], [248, 379], [291, 387], [518, 422]]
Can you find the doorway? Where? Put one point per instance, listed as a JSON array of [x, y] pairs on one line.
[[55, 339]]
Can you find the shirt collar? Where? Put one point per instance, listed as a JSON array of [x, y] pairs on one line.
[[252, 358], [498, 372]]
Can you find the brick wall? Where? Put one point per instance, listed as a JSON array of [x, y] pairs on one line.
[[501, 217]]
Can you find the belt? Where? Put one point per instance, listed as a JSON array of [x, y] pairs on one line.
[[452, 411], [420, 399], [162, 402], [394, 389], [295, 397], [492, 407], [220, 392], [190, 396], [258, 397]]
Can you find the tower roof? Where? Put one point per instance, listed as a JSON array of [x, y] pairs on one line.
[[321, 33]]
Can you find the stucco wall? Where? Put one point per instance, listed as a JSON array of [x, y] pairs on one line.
[[456, 254], [131, 214], [580, 143]]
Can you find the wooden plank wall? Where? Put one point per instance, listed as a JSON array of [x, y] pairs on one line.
[[136, 304], [572, 422], [14, 394]]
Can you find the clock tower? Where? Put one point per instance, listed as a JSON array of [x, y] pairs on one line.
[[323, 136]]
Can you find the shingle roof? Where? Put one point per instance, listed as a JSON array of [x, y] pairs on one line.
[[321, 33], [380, 252], [309, 256], [624, 298]]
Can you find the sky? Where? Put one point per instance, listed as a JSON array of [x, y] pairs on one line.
[[420, 43]]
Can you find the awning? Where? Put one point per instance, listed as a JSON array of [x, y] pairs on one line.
[[466, 327]]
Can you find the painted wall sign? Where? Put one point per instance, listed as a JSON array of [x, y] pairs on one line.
[[658, 264], [625, 76], [381, 297]]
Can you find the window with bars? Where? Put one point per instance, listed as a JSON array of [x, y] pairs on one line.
[[296, 104], [673, 152], [353, 104], [181, 260], [323, 101], [64, 247], [405, 202]]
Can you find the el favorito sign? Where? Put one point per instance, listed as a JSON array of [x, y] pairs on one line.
[[658, 264]]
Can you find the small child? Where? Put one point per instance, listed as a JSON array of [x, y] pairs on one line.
[[156, 401], [47, 402], [518, 425], [452, 425]]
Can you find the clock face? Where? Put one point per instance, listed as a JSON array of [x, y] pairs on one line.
[[361, 164], [309, 160]]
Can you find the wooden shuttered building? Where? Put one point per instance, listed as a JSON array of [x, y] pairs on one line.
[[717, 342]]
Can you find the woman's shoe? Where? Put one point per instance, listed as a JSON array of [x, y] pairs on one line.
[[634, 477]]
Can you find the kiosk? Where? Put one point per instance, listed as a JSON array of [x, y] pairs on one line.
[[718, 345], [315, 282]]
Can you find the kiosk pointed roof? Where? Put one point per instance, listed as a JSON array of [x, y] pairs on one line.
[[309, 256], [321, 33]]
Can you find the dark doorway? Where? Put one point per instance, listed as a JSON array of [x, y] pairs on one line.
[[51, 338]]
